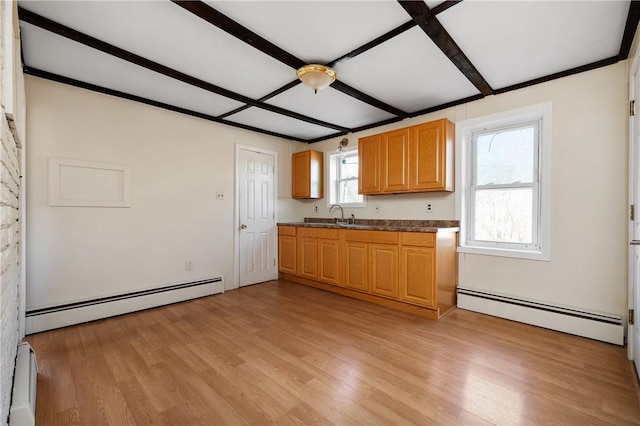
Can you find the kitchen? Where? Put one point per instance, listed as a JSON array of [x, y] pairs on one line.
[[77, 254]]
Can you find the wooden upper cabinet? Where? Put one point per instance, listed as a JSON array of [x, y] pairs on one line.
[[369, 167], [431, 155], [413, 159], [395, 161], [306, 174]]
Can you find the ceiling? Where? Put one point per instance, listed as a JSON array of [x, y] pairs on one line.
[[235, 62]]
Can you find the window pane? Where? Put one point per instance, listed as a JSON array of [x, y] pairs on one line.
[[504, 215], [348, 167], [348, 192], [505, 156]]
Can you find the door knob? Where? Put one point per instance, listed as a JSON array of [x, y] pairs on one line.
[[243, 226]]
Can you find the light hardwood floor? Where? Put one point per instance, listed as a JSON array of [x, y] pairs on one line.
[[288, 354]]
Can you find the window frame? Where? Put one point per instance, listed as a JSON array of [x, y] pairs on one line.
[[467, 132], [534, 185], [334, 184]]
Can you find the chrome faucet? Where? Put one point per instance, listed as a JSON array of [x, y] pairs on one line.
[[332, 206]]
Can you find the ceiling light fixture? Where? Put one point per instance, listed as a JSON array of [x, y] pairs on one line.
[[343, 143], [317, 76]]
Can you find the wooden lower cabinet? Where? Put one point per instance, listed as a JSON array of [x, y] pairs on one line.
[[384, 269], [371, 267], [370, 261], [417, 275], [356, 265], [287, 249], [316, 254], [308, 257], [328, 261], [410, 271]]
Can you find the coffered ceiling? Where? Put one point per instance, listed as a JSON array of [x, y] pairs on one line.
[[235, 62]]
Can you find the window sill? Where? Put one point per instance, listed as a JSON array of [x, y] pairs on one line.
[[518, 254]]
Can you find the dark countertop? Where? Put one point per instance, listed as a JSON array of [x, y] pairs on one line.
[[381, 225]]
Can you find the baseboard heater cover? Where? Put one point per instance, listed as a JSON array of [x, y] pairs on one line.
[[599, 326], [22, 411], [49, 318]]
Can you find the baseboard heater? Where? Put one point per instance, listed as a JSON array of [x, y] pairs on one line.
[[22, 411], [49, 318], [599, 326]]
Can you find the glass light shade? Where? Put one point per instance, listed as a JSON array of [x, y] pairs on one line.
[[343, 142], [317, 76]]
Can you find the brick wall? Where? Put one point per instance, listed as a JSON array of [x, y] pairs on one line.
[[9, 262], [9, 251]]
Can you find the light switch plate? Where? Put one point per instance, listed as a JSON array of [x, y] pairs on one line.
[[219, 195]]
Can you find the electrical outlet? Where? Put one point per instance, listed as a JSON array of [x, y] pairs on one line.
[[188, 266], [378, 209], [219, 195], [429, 208], [315, 209]]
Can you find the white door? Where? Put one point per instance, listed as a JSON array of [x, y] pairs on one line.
[[257, 217], [634, 199]]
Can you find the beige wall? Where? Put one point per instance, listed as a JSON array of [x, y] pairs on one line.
[[588, 267], [589, 195], [178, 163], [179, 160]]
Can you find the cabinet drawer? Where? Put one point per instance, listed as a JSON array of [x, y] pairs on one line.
[[287, 230], [422, 239], [329, 234], [380, 237]]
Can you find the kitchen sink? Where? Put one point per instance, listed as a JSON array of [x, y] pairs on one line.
[[352, 225]]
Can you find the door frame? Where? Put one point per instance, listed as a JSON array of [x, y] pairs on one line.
[[236, 209], [631, 285]]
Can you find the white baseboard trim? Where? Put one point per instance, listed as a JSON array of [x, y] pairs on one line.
[[593, 325], [23, 400], [38, 320]]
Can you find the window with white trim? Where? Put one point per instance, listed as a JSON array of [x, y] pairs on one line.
[[505, 202], [343, 179]]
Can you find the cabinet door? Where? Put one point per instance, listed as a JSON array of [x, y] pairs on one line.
[[417, 276], [308, 257], [287, 254], [432, 157], [369, 165], [328, 261], [395, 161], [356, 273], [384, 270], [307, 174], [301, 174]]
